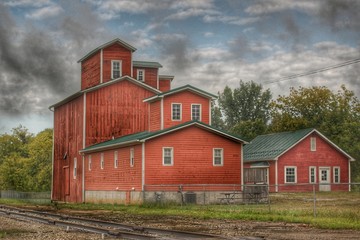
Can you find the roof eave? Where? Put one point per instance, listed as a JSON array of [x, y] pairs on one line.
[[111, 146]]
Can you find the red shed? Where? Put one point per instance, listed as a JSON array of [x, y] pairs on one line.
[[295, 161]]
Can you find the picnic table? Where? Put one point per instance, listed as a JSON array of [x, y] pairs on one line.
[[230, 197]]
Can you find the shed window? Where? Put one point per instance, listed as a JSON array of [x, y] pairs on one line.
[[312, 174], [141, 75], [290, 175], [168, 156], [218, 157], [102, 163], [336, 174], [89, 162], [75, 168], [115, 69], [116, 161], [132, 160], [176, 111], [196, 112], [313, 144]]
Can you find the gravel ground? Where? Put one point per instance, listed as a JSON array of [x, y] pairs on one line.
[[18, 229]]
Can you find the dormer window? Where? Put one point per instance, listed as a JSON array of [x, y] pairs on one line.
[[115, 69], [141, 75], [196, 112]]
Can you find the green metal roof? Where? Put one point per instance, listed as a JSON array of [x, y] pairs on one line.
[[180, 89], [146, 64], [269, 147], [143, 136]]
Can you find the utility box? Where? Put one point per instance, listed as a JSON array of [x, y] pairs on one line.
[[190, 197]]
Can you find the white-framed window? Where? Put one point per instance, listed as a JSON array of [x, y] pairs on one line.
[[116, 160], [196, 112], [115, 69], [312, 174], [176, 111], [141, 75], [336, 174], [290, 175], [218, 157], [168, 156], [132, 160], [75, 168], [313, 144], [102, 162], [89, 162]]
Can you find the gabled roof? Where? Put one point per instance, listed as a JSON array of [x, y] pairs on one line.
[[130, 79], [116, 40], [180, 89], [146, 64], [144, 136], [272, 146]]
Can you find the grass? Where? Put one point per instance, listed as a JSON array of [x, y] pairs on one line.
[[10, 232], [333, 210]]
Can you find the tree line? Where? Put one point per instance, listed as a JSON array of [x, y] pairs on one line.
[[247, 111]]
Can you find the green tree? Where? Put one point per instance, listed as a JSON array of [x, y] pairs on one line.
[[336, 115], [216, 117], [246, 109]]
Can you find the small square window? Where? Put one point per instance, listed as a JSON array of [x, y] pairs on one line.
[[218, 157], [168, 156], [115, 69], [290, 175], [196, 112], [176, 112]]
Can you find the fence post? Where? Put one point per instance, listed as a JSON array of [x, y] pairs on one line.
[[314, 190]]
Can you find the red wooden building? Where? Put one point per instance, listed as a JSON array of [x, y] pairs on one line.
[[295, 161], [126, 134]]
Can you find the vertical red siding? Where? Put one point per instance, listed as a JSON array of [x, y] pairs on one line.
[[90, 71], [68, 128], [186, 98], [116, 52], [324, 156], [123, 178], [151, 76], [164, 85], [116, 110], [155, 116], [193, 159]]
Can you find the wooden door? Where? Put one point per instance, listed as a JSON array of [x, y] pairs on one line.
[[324, 175]]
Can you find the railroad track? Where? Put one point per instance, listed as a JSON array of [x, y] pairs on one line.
[[105, 228]]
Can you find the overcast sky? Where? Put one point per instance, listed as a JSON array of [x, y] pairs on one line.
[[209, 44]]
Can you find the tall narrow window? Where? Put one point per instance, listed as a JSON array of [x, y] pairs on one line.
[[336, 174], [312, 174], [196, 112], [116, 161], [141, 75], [290, 175], [115, 69], [132, 160], [75, 168], [89, 162], [176, 111], [168, 156], [218, 159], [313, 144], [102, 163]]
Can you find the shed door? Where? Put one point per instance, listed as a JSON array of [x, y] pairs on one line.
[[324, 174]]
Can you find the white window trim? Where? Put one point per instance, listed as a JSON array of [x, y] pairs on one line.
[[172, 104], [313, 144], [200, 110], [338, 168], [102, 162], [314, 168], [132, 157], [89, 162], [75, 168], [295, 173], [137, 75], [222, 157], [172, 156], [112, 68], [116, 159]]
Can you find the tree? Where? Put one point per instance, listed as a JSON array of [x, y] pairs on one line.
[[216, 117], [246, 109], [336, 115]]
